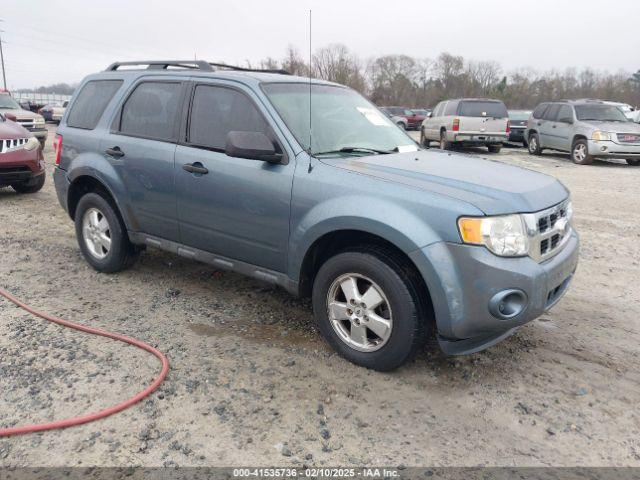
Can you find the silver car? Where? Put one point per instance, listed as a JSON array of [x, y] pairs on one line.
[[587, 129]]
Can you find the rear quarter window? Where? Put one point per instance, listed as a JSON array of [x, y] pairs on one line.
[[451, 108], [539, 111], [91, 102], [482, 109]]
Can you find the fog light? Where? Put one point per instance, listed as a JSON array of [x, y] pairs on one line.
[[507, 304]]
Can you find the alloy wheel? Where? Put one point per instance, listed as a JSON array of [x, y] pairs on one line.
[[96, 233]]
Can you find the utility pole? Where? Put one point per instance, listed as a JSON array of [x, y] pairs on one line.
[[4, 74]]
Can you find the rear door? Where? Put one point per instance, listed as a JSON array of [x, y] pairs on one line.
[[239, 208], [431, 131], [486, 117], [141, 147], [547, 127], [561, 129]]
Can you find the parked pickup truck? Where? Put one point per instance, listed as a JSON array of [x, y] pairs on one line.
[[391, 242], [467, 122]]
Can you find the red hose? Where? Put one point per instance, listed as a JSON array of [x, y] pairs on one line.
[[70, 422]]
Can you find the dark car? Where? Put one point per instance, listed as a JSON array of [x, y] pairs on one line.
[[518, 122], [21, 160]]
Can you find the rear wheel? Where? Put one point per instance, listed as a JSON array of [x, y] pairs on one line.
[[444, 144], [423, 140], [494, 148], [369, 309], [32, 186], [580, 153], [102, 236], [534, 144], [633, 162]]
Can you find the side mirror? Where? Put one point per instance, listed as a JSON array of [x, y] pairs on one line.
[[10, 116], [253, 146]]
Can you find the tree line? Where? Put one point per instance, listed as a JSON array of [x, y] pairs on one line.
[[422, 82]]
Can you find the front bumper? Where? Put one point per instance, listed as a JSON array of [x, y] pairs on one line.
[[608, 149], [20, 166], [462, 280]]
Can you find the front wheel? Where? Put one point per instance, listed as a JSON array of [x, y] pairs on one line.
[[633, 162], [368, 308], [102, 236], [580, 153], [401, 125]]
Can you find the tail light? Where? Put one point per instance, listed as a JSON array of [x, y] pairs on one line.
[[508, 126], [57, 146], [456, 124]]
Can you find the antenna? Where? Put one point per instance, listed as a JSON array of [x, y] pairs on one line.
[[310, 67]]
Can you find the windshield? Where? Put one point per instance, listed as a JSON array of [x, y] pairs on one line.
[[341, 119], [603, 113], [7, 102], [519, 115], [482, 109]]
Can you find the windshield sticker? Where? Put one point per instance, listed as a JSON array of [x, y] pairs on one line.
[[373, 116], [407, 148]]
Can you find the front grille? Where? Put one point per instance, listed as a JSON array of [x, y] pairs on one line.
[[26, 122], [9, 145], [628, 137], [548, 230]]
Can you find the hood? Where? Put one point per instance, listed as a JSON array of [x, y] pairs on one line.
[[20, 113], [491, 186], [616, 127], [10, 130]]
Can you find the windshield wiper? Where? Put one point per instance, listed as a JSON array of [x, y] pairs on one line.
[[355, 150]]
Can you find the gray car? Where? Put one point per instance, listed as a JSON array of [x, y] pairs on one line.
[[587, 129], [391, 242]]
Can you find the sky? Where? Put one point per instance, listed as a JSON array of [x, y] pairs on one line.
[[48, 42]]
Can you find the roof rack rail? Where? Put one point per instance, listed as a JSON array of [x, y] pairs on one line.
[[163, 65], [189, 65]]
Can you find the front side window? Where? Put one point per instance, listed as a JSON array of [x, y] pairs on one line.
[[603, 113], [342, 121], [151, 111], [216, 111], [91, 103]]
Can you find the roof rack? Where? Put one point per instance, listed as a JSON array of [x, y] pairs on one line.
[[188, 65]]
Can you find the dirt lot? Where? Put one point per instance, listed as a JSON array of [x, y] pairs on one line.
[[252, 382]]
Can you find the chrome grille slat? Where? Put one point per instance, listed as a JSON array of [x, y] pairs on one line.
[[8, 145], [548, 231]]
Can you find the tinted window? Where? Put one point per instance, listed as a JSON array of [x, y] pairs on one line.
[[451, 108], [216, 111], [565, 112], [552, 112], [482, 109], [151, 111], [91, 102], [540, 109]]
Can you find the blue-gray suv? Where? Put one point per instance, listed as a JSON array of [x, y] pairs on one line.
[[307, 185]]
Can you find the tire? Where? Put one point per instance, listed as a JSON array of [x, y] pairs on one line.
[[534, 144], [633, 162], [424, 143], [42, 143], [381, 270], [31, 186], [580, 153], [401, 125], [494, 148], [444, 144], [121, 253], [525, 144]]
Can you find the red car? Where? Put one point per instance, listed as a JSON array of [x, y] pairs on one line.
[[414, 118], [21, 159]]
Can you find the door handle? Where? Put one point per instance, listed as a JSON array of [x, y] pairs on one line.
[[553, 126], [114, 152], [195, 168]]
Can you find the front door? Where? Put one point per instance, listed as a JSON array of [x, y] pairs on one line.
[[239, 208]]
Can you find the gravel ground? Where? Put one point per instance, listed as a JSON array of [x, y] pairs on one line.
[[252, 382]]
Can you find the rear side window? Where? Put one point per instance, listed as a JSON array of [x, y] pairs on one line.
[[216, 111], [151, 111], [539, 111], [91, 103], [565, 113], [451, 108], [552, 112], [482, 109]]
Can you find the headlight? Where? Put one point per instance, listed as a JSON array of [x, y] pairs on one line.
[[598, 135], [32, 144], [505, 235]]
